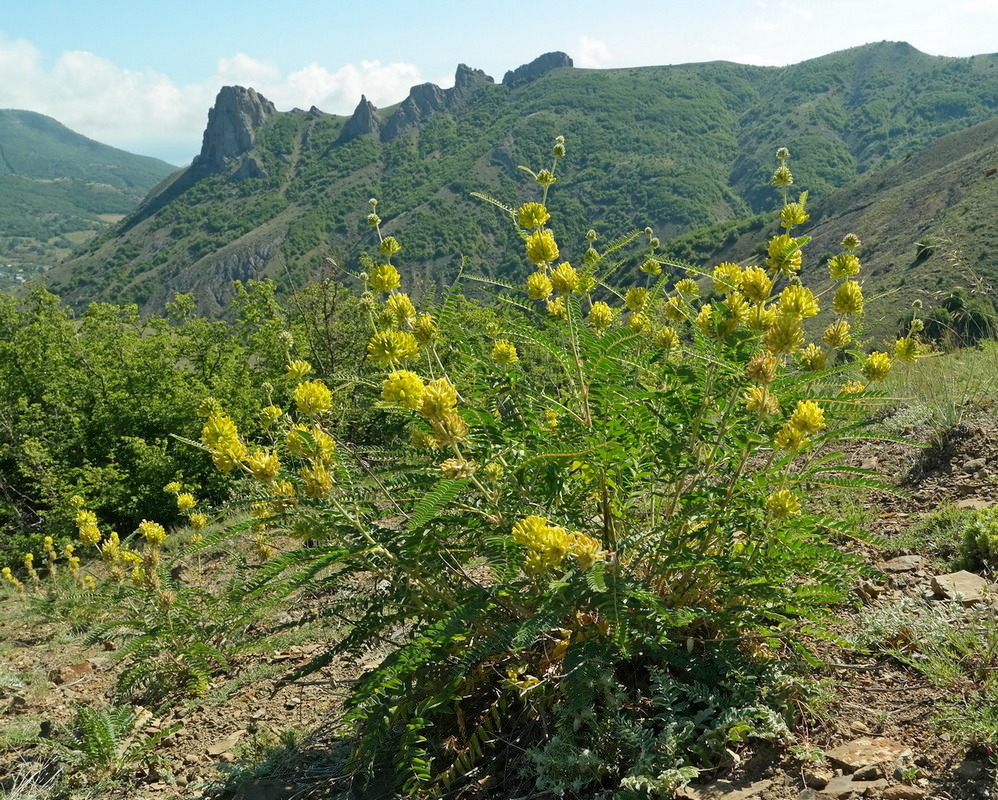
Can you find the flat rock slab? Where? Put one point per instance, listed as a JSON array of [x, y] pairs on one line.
[[974, 504], [963, 586], [903, 564], [844, 787], [725, 790], [865, 751]]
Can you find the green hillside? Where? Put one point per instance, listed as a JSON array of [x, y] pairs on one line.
[[58, 188], [677, 148]]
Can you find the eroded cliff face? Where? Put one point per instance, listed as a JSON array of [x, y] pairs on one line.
[[539, 66], [233, 121]]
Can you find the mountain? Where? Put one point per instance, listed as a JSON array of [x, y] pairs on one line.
[[58, 188], [678, 148]]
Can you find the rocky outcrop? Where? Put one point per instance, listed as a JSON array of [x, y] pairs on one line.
[[539, 66], [423, 101], [233, 121], [250, 168], [365, 120], [467, 83]]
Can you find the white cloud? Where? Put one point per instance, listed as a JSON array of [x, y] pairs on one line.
[[147, 112], [591, 53]]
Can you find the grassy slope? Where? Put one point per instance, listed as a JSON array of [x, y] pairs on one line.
[[675, 147]]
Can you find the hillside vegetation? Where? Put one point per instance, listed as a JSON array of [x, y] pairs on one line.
[[677, 148], [58, 188]]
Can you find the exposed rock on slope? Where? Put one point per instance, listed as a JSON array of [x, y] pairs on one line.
[[233, 121], [536, 68]]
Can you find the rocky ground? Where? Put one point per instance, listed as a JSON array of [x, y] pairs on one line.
[[874, 737]]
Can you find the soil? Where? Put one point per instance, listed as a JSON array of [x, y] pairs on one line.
[[44, 671]]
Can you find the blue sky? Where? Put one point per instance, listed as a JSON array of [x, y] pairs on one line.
[[141, 75]]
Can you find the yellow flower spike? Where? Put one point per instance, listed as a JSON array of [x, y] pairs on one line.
[[756, 285], [86, 524], [173, 487], [541, 247], [876, 367], [727, 278], [389, 246], [439, 397], [808, 418], [790, 439], [761, 317], [401, 309], [636, 298], [8, 576], [762, 368], [638, 322], [784, 256], [198, 521], [667, 338], [705, 319], [449, 429], [586, 284], [783, 176], [556, 308], [313, 398], [545, 177], [297, 369], [783, 504], [853, 387], [391, 348], [269, 415], [425, 328], [688, 287], [785, 335], [532, 215], [651, 267], [600, 317], [813, 358], [848, 299], [797, 301], [263, 464], [317, 480], [793, 214], [457, 469], [676, 308], [738, 310], [844, 265], [185, 501], [152, 532], [294, 442], [851, 241], [586, 549], [384, 278], [906, 349], [539, 286], [837, 334], [404, 389], [761, 401], [504, 352], [564, 278]]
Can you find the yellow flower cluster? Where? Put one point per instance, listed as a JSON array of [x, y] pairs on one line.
[[400, 309], [269, 415], [297, 369], [844, 265], [86, 524], [221, 437], [539, 286], [391, 348], [541, 247], [784, 255], [152, 532], [504, 352], [848, 298], [876, 367], [384, 278], [313, 398], [532, 215], [564, 278], [185, 501], [439, 398], [549, 545], [636, 298], [783, 504], [403, 388], [600, 316], [263, 464], [456, 469], [9, 577], [761, 401]]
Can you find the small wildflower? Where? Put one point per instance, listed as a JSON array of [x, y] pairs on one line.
[[876, 367], [916, 325], [173, 487], [784, 255], [384, 278], [8, 576], [727, 278], [906, 349], [539, 286], [848, 299], [851, 241], [853, 387], [550, 419], [761, 317], [783, 504], [837, 334], [185, 501], [389, 348], [313, 398], [667, 338], [545, 177], [532, 215], [456, 469], [797, 301], [556, 308], [564, 278], [263, 464], [676, 308], [813, 358], [373, 220], [600, 316], [651, 267], [439, 397], [783, 154], [785, 335], [808, 418], [198, 521], [688, 287], [541, 247], [449, 429], [208, 407], [844, 265], [783, 176], [317, 480], [638, 322], [762, 368], [761, 401], [269, 415], [403, 388], [400, 309], [389, 246], [78, 502], [152, 532], [636, 298], [493, 470], [790, 439], [756, 285], [425, 328], [86, 525], [793, 214], [705, 318], [297, 369]]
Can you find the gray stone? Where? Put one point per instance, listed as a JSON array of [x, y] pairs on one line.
[[817, 777], [864, 751], [963, 586], [365, 119], [974, 504], [536, 68], [903, 564], [233, 121], [842, 787], [871, 772], [973, 465], [904, 792]]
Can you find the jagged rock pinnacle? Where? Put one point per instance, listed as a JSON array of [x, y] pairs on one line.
[[232, 124], [536, 68]]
